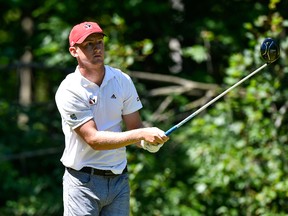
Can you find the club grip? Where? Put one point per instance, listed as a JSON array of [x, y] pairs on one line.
[[168, 132]]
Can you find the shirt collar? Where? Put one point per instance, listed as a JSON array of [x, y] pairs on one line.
[[86, 83], [108, 76]]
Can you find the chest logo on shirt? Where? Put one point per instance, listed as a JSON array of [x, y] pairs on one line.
[[113, 96], [93, 100]]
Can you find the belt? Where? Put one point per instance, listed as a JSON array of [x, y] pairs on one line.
[[94, 171]]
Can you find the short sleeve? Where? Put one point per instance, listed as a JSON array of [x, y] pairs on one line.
[[73, 109], [132, 101]]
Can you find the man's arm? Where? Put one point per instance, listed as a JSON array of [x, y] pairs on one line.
[[105, 140], [133, 121]]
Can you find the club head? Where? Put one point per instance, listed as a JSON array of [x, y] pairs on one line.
[[269, 50]]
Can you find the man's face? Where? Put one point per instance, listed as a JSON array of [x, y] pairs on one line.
[[91, 51]]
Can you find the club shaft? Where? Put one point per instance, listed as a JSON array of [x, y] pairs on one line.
[[175, 127]]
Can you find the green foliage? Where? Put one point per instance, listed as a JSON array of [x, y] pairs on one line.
[[230, 160], [197, 53], [28, 184]]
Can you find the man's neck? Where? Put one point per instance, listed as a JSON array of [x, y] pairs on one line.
[[95, 74]]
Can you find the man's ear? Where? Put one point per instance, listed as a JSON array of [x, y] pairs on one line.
[[73, 51]]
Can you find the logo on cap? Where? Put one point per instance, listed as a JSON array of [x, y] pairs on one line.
[[87, 26], [81, 31]]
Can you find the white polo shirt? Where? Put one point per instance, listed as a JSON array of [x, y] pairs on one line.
[[79, 100]]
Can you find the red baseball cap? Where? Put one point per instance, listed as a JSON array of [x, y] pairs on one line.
[[81, 31]]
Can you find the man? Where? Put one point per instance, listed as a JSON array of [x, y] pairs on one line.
[[93, 102]]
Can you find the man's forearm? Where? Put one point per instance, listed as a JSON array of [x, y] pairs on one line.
[[106, 140]]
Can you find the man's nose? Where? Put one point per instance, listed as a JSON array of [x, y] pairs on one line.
[[97, 48]]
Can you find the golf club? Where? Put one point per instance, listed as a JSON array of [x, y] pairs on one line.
[[270, 52]]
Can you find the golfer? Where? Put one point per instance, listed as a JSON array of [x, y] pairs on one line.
[[94, 102]]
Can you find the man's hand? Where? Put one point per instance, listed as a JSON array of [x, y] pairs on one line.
[[149, 147], [153, 135]]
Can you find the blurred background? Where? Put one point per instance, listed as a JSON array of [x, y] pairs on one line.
[[229, 160]]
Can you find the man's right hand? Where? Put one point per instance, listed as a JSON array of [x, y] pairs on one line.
[[154, 135]]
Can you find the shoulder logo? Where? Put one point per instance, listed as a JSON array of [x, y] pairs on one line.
[[73, 117]]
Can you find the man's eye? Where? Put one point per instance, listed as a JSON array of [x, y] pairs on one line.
[[87, 44]]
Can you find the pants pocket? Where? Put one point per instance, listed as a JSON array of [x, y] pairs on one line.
[[76, 178]]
